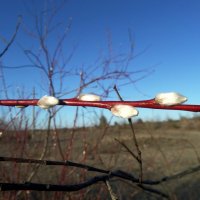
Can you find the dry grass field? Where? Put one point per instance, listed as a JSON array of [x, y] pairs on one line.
[[167, 148]]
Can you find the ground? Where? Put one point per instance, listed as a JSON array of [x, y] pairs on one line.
[[167, 148]]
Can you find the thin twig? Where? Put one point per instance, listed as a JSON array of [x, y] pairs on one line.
[[138, 149], [128, 149], [43, 154], [139, 153], [13, 37], [152, 190]]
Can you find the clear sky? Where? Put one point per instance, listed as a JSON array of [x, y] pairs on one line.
[[166, 31]]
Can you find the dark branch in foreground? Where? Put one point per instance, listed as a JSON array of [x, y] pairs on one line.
[[110, 174], [146, 185], [51, 187], [67, 188]]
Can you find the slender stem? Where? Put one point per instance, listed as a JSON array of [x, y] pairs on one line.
[[139, 153]]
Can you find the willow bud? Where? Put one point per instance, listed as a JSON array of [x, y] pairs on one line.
[[124, 111], [47, 102], [89, 97], [170, 98]]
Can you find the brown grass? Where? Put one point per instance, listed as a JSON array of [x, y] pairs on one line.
[[167, 148]]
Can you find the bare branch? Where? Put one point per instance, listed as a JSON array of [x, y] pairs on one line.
[[116, 173], [13, 37], [50, 187]]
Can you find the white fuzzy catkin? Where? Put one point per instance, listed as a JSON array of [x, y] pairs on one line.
[[170, 98], [124, 111], [47, 102], [89, 97]]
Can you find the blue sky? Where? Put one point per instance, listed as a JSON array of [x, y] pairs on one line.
[[168, 31]]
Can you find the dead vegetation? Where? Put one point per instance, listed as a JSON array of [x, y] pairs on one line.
[[166, 150]]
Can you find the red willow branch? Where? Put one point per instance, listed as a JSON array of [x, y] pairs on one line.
[[151, 103]]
